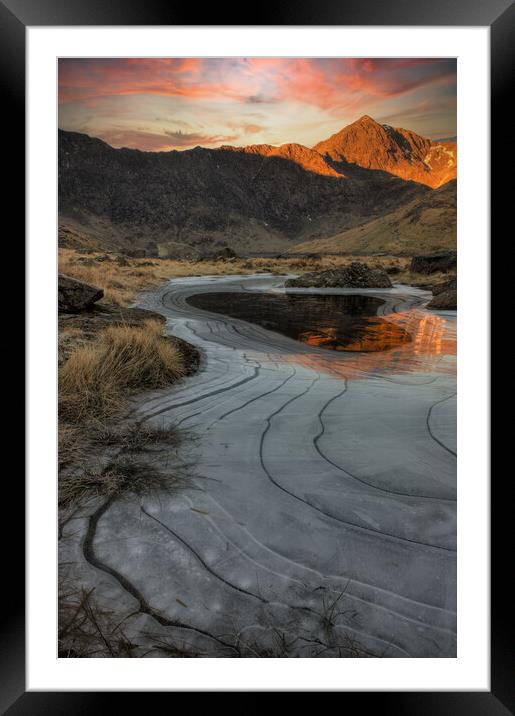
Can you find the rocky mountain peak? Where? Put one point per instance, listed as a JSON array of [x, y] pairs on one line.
[[308, 159], [366, 143]]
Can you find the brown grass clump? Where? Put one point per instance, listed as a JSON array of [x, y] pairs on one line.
[[132, 437], [70, 445], [125, 475], [97, 378], [86, 630]]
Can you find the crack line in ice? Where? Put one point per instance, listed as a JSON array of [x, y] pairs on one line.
[[200, 397], [144, 607], [355, 477], [199, 558], [428, 418], [322, 577], [252, 400], [318, 509]]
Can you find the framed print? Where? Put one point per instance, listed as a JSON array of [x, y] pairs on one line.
[[258, 423]]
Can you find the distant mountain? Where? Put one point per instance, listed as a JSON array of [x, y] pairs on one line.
[[256, 199], [425, 224], [371, 145], [308, 159]]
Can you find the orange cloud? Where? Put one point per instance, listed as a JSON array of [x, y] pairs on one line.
[[322, 82], [221, 100]]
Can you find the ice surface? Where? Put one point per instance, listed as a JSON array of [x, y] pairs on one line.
[[324, 507]]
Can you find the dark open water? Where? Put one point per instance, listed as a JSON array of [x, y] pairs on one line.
[[341, 323]]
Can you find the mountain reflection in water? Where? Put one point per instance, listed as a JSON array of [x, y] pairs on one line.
[[431, 348], [333, 322]]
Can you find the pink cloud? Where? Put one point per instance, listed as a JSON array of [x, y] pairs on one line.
[[161, 142], [322, 82], [329, 88]]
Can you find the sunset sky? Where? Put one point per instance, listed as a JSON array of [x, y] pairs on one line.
[[161, 104]]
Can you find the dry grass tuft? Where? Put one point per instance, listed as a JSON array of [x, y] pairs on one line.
[[70, 445], [97, 378], [86, 630], [132, 438], [126, 475]]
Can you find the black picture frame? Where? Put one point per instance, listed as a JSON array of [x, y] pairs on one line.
[[15, 17]]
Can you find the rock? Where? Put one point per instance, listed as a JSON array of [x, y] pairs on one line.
[[356, 275], [177, 251], [449, 285], [66, 344], [152, 251], [75, 296], [444, 301], [136, 253], [122, 261], [430, 263], [85, 261], [223, 254]]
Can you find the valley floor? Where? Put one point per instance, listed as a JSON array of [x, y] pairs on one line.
[[320, 516]]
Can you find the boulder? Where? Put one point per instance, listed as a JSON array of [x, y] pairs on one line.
[[430, 263], [85, 261], [152, 251], [356, 275], [392, 270], [177, 251], [444, 301], [75, 296], [136, 253], [449, 285], [224, 254]]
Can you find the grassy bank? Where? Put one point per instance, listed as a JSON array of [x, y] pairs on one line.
[[106, 356], [122, 281], [97, 378]]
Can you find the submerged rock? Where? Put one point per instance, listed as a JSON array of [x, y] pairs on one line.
[[431, 263], [356, 275], [75, 296]]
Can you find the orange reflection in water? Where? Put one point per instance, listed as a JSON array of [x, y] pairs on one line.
[[431, 346], [375, 334]]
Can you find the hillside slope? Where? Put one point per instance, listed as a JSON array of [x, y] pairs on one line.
[[253, 201], [425, 224], [256, 199]]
